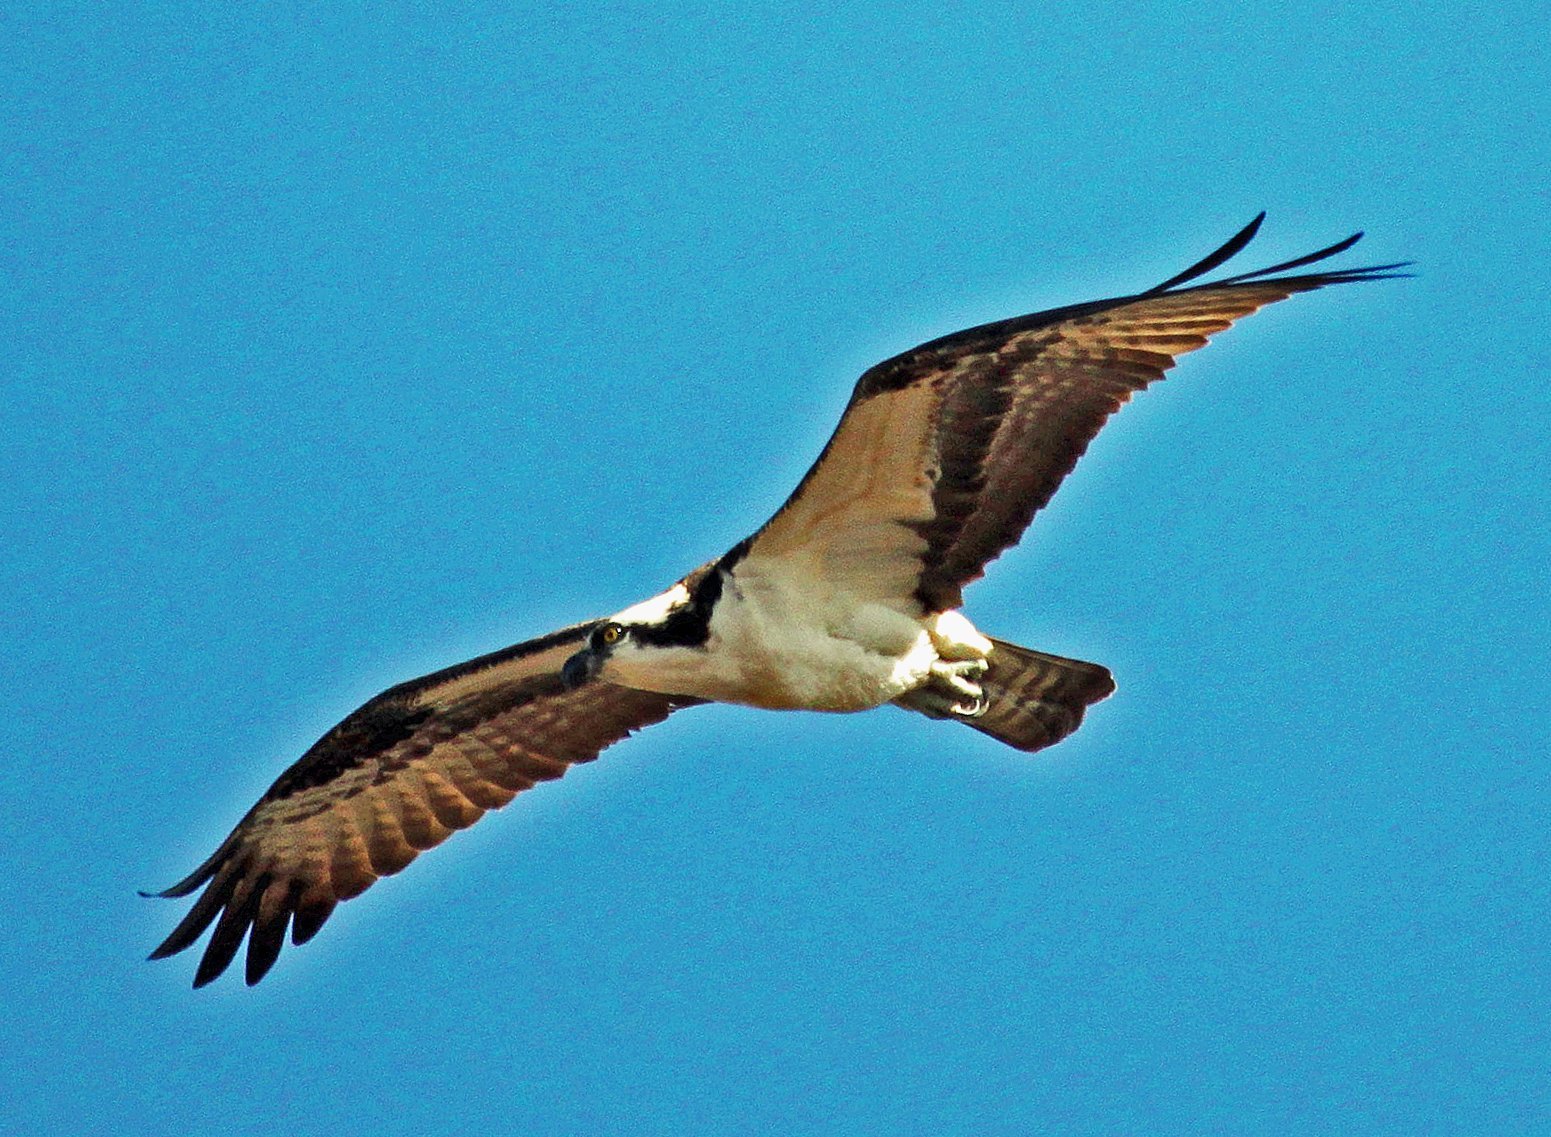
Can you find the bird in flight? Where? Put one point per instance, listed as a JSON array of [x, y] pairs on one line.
[[847, 599]]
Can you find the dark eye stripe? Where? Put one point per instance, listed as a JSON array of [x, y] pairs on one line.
[[688, 625]]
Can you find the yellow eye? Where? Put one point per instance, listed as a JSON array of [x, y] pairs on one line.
[[611, 634]]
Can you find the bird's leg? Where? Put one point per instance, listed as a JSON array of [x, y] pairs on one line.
[[954, 637], [952, 688], [950, 691], [959, 678]]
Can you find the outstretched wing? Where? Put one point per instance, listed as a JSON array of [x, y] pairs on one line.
[[398, 776], [946, 452]]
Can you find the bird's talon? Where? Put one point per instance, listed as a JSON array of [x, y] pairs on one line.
[[971, 710]]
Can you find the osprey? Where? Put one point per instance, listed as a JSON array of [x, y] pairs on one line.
[[847, 599]]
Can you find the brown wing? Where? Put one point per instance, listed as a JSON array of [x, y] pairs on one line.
[[946, 452], [398, 776]]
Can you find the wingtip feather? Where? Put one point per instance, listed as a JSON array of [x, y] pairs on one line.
[[231, 928], [1225, 252], [1239, 240]]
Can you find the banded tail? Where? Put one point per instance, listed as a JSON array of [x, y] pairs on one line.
[[1034, 699]]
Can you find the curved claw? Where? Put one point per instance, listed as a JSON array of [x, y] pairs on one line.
[[959, 676], [974, 709], [951, 691]]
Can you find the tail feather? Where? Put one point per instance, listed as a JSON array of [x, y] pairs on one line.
[[1034, 699]]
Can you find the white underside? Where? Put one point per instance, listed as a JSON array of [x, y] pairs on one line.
[[780, 642]]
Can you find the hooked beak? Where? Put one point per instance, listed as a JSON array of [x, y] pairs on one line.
[[580, 668]]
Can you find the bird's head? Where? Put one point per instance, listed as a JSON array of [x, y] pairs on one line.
[[632, 647]]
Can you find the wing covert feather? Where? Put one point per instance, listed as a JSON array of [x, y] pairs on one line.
[[399, 776], [945, 452]]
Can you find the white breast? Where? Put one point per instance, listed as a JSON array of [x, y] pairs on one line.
[[783, 642]]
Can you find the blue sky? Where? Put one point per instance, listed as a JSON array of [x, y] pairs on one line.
[[340, 346]]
